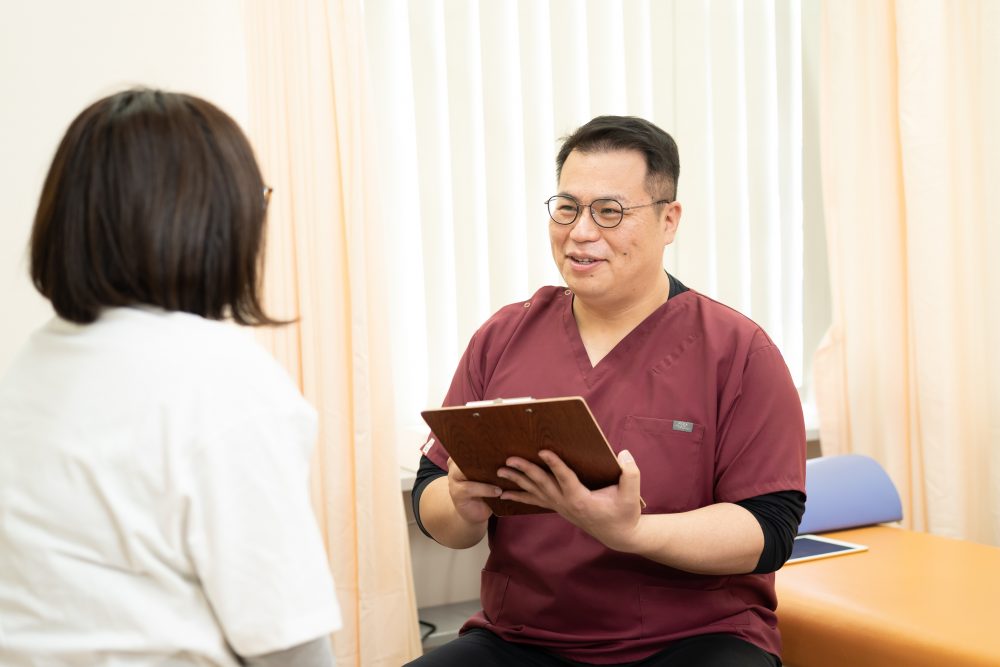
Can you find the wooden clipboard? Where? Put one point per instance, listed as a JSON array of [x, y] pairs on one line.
[[481, 437]]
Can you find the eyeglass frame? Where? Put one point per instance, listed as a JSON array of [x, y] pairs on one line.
[[593, 215], [267, 195]]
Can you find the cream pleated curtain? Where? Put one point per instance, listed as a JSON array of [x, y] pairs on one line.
[[910, 141], [403, 218], [325, 265]]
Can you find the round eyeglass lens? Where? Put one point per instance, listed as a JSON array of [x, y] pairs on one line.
[[563, 210], [607, 212]]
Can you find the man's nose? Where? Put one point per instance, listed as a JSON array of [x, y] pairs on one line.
[[585, 227]]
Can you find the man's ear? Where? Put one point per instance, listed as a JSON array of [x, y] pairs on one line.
[[670, 219]]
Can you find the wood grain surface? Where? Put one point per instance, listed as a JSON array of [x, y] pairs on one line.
[[481, 438]]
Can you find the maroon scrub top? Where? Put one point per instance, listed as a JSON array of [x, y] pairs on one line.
[[703, 400]]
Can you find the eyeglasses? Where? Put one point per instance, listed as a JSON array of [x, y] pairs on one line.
[[607, 213], [267, 195]]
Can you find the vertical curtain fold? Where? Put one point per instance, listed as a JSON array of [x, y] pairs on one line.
[[499, 44], [325, 265]]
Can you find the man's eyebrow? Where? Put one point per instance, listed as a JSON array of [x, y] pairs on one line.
[[617, 197]]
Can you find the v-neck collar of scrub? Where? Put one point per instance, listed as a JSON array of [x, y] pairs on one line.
[[592, 374]]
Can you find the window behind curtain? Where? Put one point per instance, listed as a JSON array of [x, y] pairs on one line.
[[471, 100]]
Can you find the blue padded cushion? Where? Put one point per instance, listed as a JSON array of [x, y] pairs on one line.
[[847, 491]]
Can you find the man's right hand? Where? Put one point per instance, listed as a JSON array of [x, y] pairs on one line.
[[452, 509], [468, 496]]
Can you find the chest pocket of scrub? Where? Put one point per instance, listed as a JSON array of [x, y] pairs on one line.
[[676, 470]]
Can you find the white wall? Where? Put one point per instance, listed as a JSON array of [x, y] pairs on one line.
[[57, 56]]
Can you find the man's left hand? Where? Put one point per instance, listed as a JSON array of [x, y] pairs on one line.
[[610, 514]]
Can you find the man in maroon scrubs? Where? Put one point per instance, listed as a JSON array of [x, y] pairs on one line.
[[698, 404]]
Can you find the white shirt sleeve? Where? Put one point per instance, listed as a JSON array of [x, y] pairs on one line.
[[251, 532], [316, 653]]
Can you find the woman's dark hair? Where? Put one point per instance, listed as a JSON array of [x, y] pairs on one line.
[[152, 198], [623, 133]]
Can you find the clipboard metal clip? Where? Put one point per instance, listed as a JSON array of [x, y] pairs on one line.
[[498, 401]]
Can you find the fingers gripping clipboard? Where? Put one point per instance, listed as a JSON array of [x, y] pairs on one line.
[[480, 437]]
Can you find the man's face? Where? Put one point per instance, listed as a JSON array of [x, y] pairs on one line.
[[621, 266]]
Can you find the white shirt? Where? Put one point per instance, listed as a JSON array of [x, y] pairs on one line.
[[154, 498]]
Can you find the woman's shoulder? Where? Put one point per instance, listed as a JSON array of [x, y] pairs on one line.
[[199, 355]]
